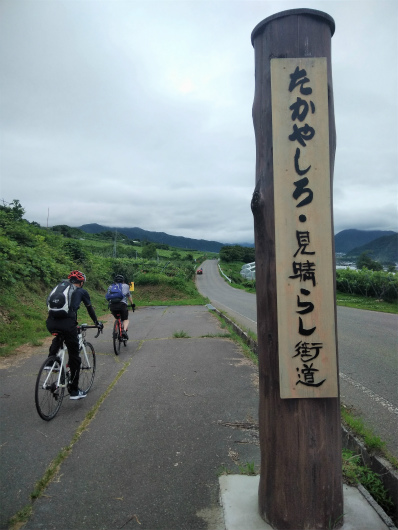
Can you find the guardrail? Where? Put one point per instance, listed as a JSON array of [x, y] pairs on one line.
[[225, 276]]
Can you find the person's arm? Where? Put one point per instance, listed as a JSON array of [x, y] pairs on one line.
[[127, 294], [90, 310]]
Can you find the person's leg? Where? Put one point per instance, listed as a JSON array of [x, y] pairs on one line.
[[124, 314], [125, 318], [72, 343], [53, 325]]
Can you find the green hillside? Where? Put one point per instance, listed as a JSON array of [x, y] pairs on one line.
[[34, 259], [159, 238], [347, 240], [383, 249]]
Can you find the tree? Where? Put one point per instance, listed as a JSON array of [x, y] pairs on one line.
[[237, 253], [15, 209], [149, 251], [366, 262]]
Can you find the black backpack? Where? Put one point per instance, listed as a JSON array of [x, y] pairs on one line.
[[59, 300]]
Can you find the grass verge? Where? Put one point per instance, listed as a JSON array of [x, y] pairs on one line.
[[235, 337], [370, 440], [368, 304], [354, 472], [23, 311]]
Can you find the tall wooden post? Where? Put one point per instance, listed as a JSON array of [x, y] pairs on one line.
[[299, 411]]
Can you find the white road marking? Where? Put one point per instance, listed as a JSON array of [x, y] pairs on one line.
[[378, 399]]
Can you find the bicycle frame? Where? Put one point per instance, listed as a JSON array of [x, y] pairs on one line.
[[61, 354], [120, 325], [54, 375], [118, 334]]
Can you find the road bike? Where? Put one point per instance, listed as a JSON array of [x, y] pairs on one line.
[[117, 335], [54, 375]]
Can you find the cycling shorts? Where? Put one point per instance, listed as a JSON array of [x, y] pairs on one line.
[[121, 309]]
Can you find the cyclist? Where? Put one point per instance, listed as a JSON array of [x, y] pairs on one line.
[[120, 307], [68, 327]]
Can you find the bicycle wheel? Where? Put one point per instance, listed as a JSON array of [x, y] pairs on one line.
[[48, 395], [87, 368], [116, 337]]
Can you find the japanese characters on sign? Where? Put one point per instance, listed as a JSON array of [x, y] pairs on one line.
[[303, 229]]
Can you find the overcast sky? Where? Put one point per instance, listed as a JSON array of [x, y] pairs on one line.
[[138, 112]]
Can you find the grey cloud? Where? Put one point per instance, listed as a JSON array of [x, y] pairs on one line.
[[152, 101]]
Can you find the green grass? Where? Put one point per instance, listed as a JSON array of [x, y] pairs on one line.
[[369, 304], [23, 309], [247, 352], [22, 317], [180, 335], [247, 469], [354, 472], [23, 314], [356, 424]]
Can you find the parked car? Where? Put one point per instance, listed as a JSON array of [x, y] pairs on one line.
[[199, 271]]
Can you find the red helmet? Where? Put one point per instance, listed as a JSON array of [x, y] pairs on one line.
[[77, 276]]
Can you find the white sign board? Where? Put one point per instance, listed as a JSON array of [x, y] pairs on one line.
[[303, 228]]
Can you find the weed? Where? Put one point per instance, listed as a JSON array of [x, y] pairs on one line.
[[223, 470], [371, 441], [243, 469], [355, 472], [180, 335], [21, 518], [247, 469], [247, 352], [336, 523]]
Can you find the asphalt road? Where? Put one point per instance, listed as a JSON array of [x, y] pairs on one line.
[[368, 353], [145, 447]]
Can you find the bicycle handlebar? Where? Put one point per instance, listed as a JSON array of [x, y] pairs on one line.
[[83, 327]]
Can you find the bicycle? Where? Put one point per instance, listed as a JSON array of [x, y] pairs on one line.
[[54, 375], [117, 334]]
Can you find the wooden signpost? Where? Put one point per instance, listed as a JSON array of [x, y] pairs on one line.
[[299, 413]]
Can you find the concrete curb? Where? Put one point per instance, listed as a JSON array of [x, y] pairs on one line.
[[377, 464]]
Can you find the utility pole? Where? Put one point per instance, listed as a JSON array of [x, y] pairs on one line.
[[299, 410], [114, 244]]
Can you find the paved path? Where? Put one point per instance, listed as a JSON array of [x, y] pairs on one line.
[[150, 456]]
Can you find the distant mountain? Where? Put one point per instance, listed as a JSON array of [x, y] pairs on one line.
[[383, 249], [347, 240], [158, 237]]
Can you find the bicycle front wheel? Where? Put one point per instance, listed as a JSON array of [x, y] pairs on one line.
[[48, 393], [116, 337], [87, 368]]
